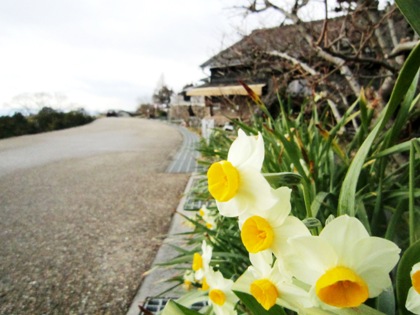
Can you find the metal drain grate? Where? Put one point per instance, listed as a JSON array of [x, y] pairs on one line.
[[193, 201], [193, 204], [155, 305]]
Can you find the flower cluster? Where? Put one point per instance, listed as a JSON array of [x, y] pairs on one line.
[[340, 268]]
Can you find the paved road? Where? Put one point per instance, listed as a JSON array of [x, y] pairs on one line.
[[82, 214]]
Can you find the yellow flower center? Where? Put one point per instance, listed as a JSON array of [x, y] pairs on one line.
[[265, 292], [204, 284], [197, 262], [257, 234], [217, 296], [415, 280], [223, 181], [341, 287], [187, 284], [209, 225], [201, 212]]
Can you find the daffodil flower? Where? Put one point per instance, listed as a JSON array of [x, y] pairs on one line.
[[343, 265], [221, 296], [203, 210], [237, 184], [204, 284], [188, 279], [271, 229], [201, 262], [413, 298], [270, 284], [208, 217]]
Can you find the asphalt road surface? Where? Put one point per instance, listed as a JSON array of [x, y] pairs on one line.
[[82, 214]]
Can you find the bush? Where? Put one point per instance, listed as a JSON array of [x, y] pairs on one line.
[[47, 119]]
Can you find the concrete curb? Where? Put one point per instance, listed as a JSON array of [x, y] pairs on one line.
[[153, 284]]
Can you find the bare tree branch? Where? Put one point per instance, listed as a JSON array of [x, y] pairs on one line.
[[295, 61], [324, 27], [402, 48], [364, 60], [344, 69], [343, 53]]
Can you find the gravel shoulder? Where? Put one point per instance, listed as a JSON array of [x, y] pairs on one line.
[[77, 233]]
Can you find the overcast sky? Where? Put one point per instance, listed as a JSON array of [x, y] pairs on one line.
[[104, 54]]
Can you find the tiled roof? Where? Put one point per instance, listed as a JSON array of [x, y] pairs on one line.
[[288, 39]]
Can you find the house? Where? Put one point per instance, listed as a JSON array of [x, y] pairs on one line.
[[283, 61], [185, 109]]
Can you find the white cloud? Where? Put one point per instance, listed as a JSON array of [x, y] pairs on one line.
[[104, 52], [110, 53]]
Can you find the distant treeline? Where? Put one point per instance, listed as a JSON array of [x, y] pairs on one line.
[[47, 119]]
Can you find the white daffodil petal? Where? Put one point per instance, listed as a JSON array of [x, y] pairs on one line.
[[342, 233], [283, 207], [343, 252], [295, 297], [243, 283], [240, 148], [256, 159], [199, 275], [262, 262], [226, 309], [224, 301], [255, 193], [214, 279], [311, 257], [279, 211], [413, 301], [373, 253], [229, 208], [207, 253], [376, 281], [289, 295], [290, 227], [247, 151]]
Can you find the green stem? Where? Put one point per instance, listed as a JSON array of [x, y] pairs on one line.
[[396, 217], [307, 199], [378, 204], [411, 194]]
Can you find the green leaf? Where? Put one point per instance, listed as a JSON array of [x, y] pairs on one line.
[[403, 282], [386, 301], [281, 179], [398, 148], [401, 194], [362, 215], [363, 104], [411, 188], [318, 202], [312, 223], [180, 306], [363, 309], [409, 9], [173, 308], [192, 297], [255, 308], [403, 112], [346, 203]]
